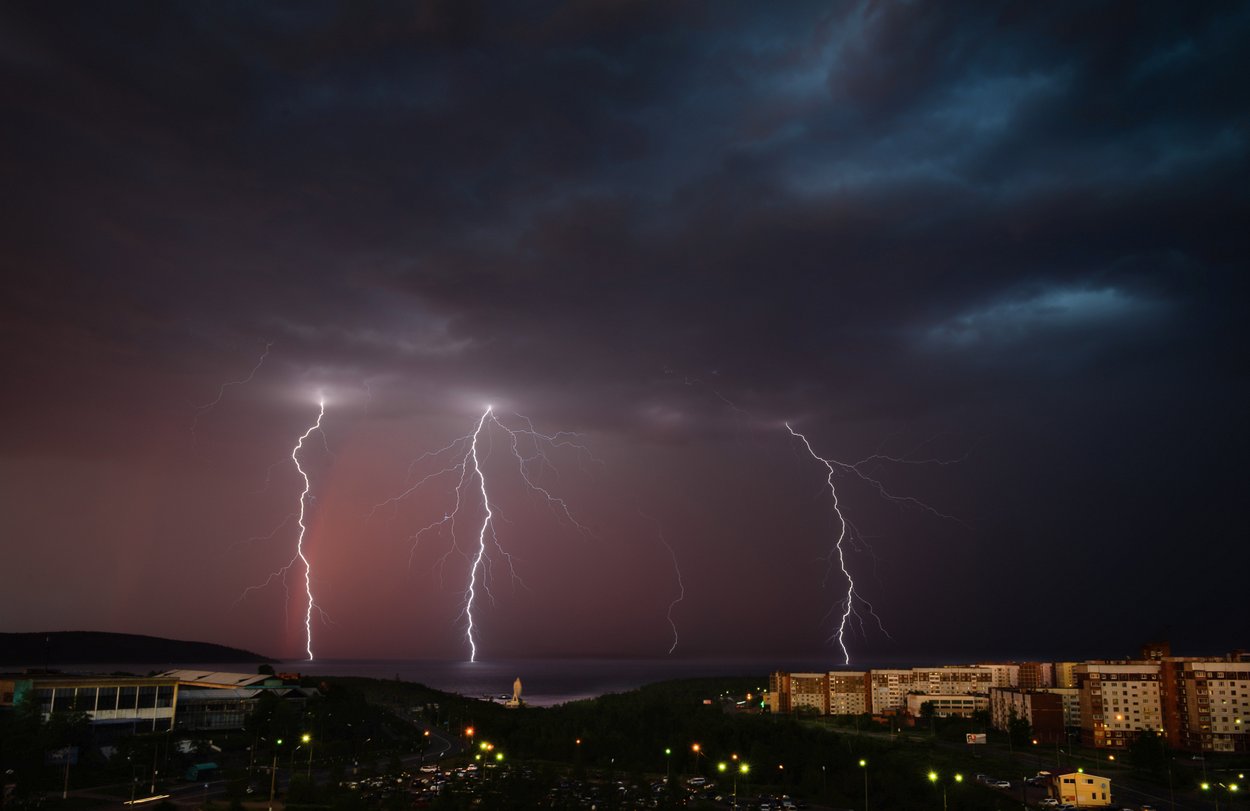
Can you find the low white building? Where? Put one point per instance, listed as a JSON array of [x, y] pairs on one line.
[[947, 706]]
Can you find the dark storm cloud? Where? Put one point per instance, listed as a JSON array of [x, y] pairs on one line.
[[886, 216]]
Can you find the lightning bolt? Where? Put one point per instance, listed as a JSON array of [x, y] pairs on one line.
[[299, 557], [201, 410], [299, 540], [681, 586], [481, 536], [845, 528], [528, 447]]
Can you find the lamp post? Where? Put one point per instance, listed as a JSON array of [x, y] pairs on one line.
[[863, 764], [155, 752], [273, 773], [743, 769], [668, 764], [933, 778], [1231, 788], [308, 740], [1207, 787]]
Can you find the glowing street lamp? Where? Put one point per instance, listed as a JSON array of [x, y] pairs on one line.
[[743, 769], [933, 778], [273, 773], [863, 764], [307, 739]]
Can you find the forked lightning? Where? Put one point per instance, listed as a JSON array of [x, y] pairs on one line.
[[299, 556], [529, 447], [832, 467]]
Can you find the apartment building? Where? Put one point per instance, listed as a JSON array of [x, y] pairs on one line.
[[1206, 704], [798, 692], [848, 692], [1035, 675], [838, 692], [888, 689], [1119, 700], [1043, 710], [1065, 674], [1002, 675]]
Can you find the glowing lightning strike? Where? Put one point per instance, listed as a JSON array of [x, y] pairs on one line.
[[481, 536], [681, 586], [681, 591], [833, 466], [299, 540], [299, 555], [466, 465], [849, 606]]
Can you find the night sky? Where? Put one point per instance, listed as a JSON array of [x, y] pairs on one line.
[[1006, 241]]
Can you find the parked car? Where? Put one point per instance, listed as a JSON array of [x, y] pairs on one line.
[[1048, 802], [999, 783]]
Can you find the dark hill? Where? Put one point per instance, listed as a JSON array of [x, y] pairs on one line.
[[98, 647]]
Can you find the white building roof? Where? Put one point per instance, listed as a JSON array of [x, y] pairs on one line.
[[204, 678]]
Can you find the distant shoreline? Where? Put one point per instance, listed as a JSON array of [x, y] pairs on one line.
[[60, 648]]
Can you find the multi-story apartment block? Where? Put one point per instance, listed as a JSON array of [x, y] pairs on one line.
[[799, 692], [1119, 700], [1043, 710], [1198, 704], [1070, 698], [838, 692], [952, 680], [1034, 675], [1065, 674], [1207, 704], [888, 689], [1003, 675], [848, 692]]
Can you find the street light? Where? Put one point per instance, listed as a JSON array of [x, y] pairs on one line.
[[308, 740], [668, 764], [863, 764], [1207, 787], [743, 769], [933, 778], [273, 772]]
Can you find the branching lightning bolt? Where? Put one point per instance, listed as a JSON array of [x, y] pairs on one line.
[[466, 465], [299, 556], [201, 410], [481, 537], [846, 530], [849, 600]]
